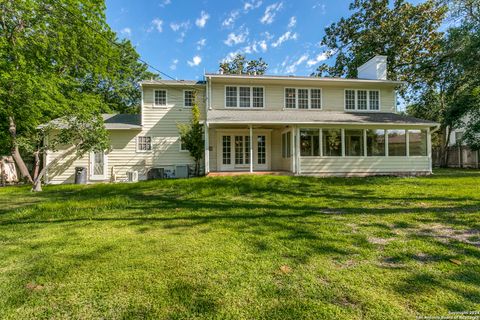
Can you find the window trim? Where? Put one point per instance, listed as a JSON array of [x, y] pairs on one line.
[[251, 107], [356, 100], [163, 106], [137, 144], [190, 90], [309, 98]]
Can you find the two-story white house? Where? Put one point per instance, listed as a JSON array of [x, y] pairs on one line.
[[291, 124]]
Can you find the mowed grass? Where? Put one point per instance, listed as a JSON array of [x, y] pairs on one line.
[[246, 247]]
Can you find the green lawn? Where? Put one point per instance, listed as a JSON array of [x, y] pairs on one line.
[[243, 247]]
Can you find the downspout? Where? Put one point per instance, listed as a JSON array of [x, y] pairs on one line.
[[141, 105]]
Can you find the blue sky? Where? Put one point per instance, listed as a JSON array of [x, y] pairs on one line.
[[186, 38]]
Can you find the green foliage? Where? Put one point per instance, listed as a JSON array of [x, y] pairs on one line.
[[407, 34], [192, 137], [240, 65], [245, 247]]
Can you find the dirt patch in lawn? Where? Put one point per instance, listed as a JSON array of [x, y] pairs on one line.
[[445, 234]]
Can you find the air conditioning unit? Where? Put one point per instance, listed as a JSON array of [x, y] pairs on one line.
[[132, 176], [181, 171]]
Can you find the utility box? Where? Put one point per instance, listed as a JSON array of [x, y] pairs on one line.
[[80, 175]]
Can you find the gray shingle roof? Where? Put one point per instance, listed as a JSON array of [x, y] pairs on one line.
[[112, 122], [311, 117]]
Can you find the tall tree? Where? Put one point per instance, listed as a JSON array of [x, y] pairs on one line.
[[407, 34], [240, 65], [60, 59]]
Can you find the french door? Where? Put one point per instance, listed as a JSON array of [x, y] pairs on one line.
[[234, 151]]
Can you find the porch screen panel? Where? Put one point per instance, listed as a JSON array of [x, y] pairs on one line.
[[247, 149], [397, 143], [332, 142], [261, 150], [257, 97], [354, 143], [226, 150], [375, 142], [302, 98], [244, 97], [309, 142], [417, 142], [238, 149]]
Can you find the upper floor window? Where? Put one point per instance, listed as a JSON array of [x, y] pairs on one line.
[[144, 143], [303, 98], [160, 98], [362, 100], [188, 98], [244, 97]]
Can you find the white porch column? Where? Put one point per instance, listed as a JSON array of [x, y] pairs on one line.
[[251, 148], [298, 168], [429, 149], [207, 149], [294, 151]]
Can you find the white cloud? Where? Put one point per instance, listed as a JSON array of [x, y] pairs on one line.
[[195, 61], [263, 45], [126, 32], [201, 43], [181, 27], [322, 7], [293, 67], [234, 39], [285, 37], [271, 12], [292, 22], [319, 58], [173, 66], [228, 22], [165, 3], [250, 5], [157, 24], [200, 22]]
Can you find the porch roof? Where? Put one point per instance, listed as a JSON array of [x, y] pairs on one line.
[[223, 116]]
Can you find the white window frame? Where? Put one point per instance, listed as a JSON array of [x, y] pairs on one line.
[[296, 98], [137, 144], [184, 105], [180, 145], [92, 176], [155, 105], [238, 97], [356, 100]]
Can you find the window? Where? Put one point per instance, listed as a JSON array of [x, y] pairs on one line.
[[290, 98], [183, 146], [226, 150], [350, 99], [257, 97], [161, 98], [332, 142], [303, 98], [242, 149], [144, 143], [397, 145], [374, 99], [309, 142], [261, 150], [244, 97], [188, 98], [354, 143], [315, 98], [231, 97], [287, 145], [362, 100], [417, 142], [375, 142]]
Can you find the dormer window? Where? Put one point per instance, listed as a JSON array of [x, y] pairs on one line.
[[303, 98], [362, 100], [244, 97]]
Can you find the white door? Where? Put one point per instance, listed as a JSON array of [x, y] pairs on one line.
[[98, 165]]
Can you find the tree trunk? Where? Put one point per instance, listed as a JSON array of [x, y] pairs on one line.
[[16, 153], [446, 135], [37, 185], [36, 169]]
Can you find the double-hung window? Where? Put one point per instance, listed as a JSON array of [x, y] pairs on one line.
[[160, 98], [188, 98], [144, 143], [303, 98], [362, 100], [244, 97]]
